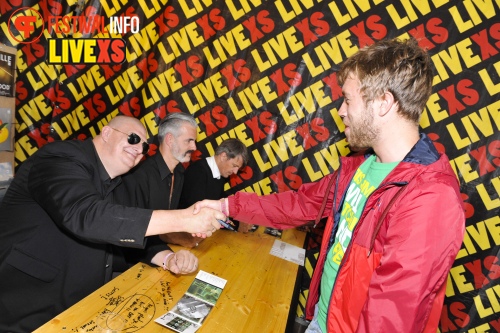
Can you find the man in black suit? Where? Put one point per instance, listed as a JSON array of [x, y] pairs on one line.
[[205, 179], [59, 224]]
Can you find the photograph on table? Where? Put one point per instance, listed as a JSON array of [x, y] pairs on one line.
[[178, 324], [205, 291], [195, 305]]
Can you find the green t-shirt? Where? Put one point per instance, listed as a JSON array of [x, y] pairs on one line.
[[366, 179]]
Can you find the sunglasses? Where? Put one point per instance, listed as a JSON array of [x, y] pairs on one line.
[[134, 139]]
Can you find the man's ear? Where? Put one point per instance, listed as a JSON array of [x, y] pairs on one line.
[[168, 139], [386, 103], [223, 156], [105, 133]]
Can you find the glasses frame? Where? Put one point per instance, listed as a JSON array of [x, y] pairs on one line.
[[134, 139]]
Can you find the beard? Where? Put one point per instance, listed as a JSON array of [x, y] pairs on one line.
[[362, 133], [180, 156]]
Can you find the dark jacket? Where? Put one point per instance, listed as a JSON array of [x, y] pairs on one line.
[[200, 184], [57, 225]]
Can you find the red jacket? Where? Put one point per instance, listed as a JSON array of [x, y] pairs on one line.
[[393, 275]]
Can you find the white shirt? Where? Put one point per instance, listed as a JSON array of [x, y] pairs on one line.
[[213, 166]]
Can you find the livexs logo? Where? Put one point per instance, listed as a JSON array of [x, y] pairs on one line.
[[86, 50]]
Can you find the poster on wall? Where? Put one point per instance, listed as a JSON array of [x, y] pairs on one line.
[[6, 142], [265, 72], [6, 174], [7, 68]]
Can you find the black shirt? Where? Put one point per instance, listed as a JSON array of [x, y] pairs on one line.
[[149, 185]]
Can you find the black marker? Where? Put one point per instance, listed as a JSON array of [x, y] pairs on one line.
[[226, 225]]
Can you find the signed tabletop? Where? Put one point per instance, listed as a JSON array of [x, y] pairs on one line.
[[256, 298]]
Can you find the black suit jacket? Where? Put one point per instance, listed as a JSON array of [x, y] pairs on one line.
[[57, 224], [199, 184]]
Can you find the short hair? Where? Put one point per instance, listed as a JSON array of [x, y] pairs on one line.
[[232, 148], [400, 67], [172, 123]]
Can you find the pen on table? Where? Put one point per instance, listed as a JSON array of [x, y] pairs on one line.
[[226, 225]]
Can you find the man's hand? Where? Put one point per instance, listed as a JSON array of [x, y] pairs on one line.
[[181, 262], [204, 215], [214, 204], [204, 222]]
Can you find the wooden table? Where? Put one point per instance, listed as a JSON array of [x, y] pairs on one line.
[[256, 297]]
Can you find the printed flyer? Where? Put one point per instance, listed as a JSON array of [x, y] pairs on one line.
[[7, 68], [190, 312]]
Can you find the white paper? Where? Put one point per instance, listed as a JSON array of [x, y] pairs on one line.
[[212, 279], [288, 252]]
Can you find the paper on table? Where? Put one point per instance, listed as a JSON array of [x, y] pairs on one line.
[[288, 252], [188, 314]]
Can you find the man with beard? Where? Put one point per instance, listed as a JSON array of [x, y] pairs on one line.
[[157, 183], [395, 216]]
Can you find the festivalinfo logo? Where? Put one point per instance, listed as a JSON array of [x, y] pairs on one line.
[[23, 25], [25, 22]]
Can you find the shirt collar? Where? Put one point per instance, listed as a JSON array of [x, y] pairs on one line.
[[162, 166], [213, 166]]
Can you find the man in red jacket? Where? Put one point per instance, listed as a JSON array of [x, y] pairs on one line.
[[395, 216]]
